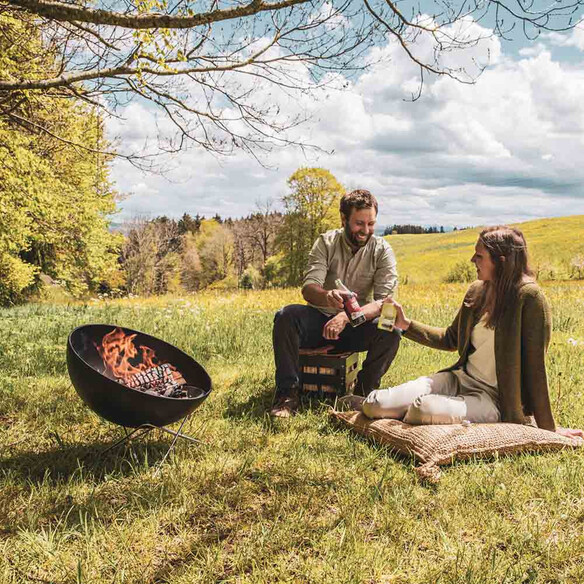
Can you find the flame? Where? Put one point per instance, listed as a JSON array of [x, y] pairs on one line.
[[117, 349]]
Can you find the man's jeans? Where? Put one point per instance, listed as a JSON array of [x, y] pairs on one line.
[[298, 326]]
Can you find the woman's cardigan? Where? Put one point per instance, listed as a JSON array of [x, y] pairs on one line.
[[521, 340]]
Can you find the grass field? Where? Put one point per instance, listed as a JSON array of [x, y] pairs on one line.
[[267, 501], [553, 244]]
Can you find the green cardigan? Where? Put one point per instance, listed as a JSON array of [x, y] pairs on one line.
[[521, 341]]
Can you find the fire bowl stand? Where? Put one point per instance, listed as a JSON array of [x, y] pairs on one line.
[[147, 428]]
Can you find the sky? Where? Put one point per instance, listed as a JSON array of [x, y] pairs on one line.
[[505, 149]]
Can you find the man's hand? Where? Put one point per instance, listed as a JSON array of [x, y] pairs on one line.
[[335, 326], [334, 299]]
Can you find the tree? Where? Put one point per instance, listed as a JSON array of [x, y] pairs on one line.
[[215, 246], [312, 208], [55, 199], [151, 256], [212, 67], [255, 236], [188, 224]]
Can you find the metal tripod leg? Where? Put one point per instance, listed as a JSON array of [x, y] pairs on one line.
[[176, 437], [146, 428]]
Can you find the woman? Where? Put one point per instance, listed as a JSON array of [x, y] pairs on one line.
[[501, 332]]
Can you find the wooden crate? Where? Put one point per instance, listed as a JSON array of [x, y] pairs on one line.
[[328, 375]]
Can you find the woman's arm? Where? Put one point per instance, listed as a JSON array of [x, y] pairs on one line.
[[445, 339]]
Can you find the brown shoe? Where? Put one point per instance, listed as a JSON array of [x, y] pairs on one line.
[[285, 407]]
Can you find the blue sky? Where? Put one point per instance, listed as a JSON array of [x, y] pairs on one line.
[[505, 149]]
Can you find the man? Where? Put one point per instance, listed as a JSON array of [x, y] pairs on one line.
[[366, 265]]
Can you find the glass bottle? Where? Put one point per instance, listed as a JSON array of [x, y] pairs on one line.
[[387, 317], [351, 305]]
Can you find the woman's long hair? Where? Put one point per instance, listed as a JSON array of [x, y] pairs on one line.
[[508, 251]]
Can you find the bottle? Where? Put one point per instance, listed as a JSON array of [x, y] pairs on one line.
[[387, 317], [351, 305]]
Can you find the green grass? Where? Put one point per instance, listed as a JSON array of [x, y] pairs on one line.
[[553, 243], [267, 501]]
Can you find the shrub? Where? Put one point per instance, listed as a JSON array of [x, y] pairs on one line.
[[462, 271], [251, 279], [577, 267]]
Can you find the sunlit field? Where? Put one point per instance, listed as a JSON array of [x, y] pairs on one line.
[[553, 245], [267, 501]]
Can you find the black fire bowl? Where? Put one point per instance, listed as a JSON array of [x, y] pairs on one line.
[[123, 405]]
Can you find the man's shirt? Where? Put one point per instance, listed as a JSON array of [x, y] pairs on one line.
[[370, 272]]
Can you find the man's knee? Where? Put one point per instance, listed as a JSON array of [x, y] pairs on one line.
[[388, 339], [288, 316], [436, 409]]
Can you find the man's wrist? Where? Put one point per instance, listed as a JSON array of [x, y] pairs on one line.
[[342, 316]]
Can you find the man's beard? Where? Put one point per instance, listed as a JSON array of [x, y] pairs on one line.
[[352, 239]]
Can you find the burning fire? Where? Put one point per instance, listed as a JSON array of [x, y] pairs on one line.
[[117, 349]]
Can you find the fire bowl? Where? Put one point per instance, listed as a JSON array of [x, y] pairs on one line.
[[123, 405]]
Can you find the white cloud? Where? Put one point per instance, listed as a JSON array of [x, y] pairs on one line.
[[574, 38], [504, 149]]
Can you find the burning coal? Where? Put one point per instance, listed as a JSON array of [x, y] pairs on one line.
[[138, 367]]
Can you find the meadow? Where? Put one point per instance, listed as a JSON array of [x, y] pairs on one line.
[[553, 245], [266, 500]]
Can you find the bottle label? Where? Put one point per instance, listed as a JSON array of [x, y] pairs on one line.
[[387, 317]]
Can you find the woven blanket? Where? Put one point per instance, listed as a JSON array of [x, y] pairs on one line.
[[434, 446]]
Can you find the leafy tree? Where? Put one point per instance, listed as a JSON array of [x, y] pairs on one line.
[[190, 263], [311, 209], [215, 246], [274, 271], [55, 198], [151, 256]]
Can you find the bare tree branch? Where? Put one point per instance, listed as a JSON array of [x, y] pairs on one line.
[[212, 67], [71, 13]]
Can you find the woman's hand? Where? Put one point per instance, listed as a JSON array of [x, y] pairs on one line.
[[570, 432], [401, 321]]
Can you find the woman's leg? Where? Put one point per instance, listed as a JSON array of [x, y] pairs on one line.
[[437, 409], [395, 401], [474, 401], [482, 401]]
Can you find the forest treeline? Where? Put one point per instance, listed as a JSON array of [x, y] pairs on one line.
[[267, 248]]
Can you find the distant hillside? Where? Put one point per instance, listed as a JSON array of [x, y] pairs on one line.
[[552, 243]]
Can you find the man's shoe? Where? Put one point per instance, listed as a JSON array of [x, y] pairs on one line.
[[285, 406]]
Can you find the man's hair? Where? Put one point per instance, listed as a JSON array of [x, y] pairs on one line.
[[359, 199]]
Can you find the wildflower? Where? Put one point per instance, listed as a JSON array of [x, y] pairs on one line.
[[573, 342]]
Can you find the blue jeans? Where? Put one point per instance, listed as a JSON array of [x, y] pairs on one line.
[[299, 326]]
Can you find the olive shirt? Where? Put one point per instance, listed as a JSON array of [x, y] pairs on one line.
[[370, 271], [521, 341]]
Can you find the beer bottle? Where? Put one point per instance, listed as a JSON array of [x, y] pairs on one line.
[[351, 305]]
